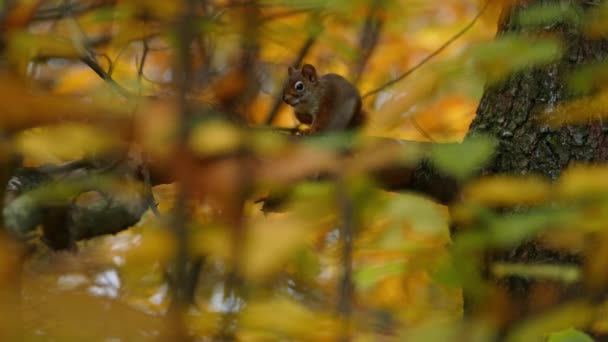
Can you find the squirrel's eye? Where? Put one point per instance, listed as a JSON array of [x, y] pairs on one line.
[[299, 86]]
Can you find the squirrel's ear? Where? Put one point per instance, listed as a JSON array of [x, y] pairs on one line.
[[290, 71], [309, 72]]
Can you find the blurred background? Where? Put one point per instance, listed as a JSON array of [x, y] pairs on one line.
[[139, 136]]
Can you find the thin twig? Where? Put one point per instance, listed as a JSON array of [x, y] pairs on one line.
[[369, 39], [108, 59], [91, 63], [146, 169], [346, 288], [115, 61], [432, 55], [194, 278], [421, 130], [150, 194], [88, 55], [142, 62]]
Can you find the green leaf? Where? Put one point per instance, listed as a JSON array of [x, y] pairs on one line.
[[314, 197], [508, 230], [587, 78], [461, 160], [542, 15], [447, 274], [575, 314], [333, 140], [504, 56], [306, 263], [563, 273], [367, 276], [419, 212], [569, 335]]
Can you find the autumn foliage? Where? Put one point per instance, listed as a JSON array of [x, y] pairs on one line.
[[141, 139]]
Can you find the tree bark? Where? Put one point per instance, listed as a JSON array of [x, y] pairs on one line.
[[514, 112]]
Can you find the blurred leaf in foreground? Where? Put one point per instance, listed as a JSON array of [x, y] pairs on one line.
[[563, 273], [500, 191], [214, 137], [280, 318], [567, 316], [510, 229], [508, 54], [40, 144], [550, 14], [569, 335], [461, 160], [583, 181], [587, 79], [28, 108], [270, 242], [366, 277]]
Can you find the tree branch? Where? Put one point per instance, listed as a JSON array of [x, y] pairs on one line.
[[28, 203], [91, 63]]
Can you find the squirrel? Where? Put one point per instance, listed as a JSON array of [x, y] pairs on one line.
[[326, 103]]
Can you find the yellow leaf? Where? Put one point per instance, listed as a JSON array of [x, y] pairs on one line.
[[578, 111], [498, 191], [77, 80], [405, 102], [25, 46], [214, 137], [574, 314], [28, 109], [213, 241], [156, 127], [281, 317], [154, 243], [204, 323], [63, 142], [583, 181], [271, 241]]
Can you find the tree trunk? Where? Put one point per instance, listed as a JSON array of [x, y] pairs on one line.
[[511, 112]]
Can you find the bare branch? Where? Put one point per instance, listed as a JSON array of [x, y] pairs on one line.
[[142, 62], [91, 63]]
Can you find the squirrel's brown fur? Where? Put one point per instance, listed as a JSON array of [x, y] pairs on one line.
[[326, 103]]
